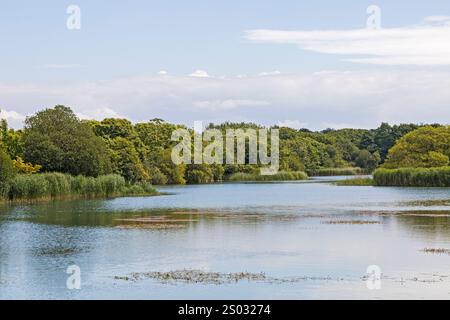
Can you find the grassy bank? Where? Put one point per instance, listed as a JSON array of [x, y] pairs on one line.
[[325, 172], [49, 186], [280, 176], [413, 177], [356, 182]]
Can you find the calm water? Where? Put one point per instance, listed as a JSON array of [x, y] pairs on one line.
[[281, 229]]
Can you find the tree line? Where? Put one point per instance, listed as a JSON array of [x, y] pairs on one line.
[[56, 140]]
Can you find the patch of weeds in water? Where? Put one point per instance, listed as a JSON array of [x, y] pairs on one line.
[[426, 203], [351, 222], [181, 219], [57, 251], [153, 223], [439, 251], [154, 226], [204, 277], [198, 276]]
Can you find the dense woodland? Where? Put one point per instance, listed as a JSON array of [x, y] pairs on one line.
[[55, 140]]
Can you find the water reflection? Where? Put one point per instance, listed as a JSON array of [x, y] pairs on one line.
[[282, 229]]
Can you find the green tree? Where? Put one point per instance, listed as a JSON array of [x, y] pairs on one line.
[[425, 147], [126, 161], [7, 172], [367, 160], [58, 141]]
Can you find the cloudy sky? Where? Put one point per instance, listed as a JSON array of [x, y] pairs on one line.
[[313, 65]]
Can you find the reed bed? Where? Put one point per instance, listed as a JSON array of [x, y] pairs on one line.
[[356, 182], [280, 176], [325, 172], [47, 186], [413, 177]]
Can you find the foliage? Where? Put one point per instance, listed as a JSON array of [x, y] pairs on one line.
[[413, 177], [199, 173], [58, 141], [335, 172], [59, 185], [7, 171], [280, 176], [25, 168], [425, 147], [356, 182]]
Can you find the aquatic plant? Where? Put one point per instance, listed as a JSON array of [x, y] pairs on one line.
[[356, 182], [58, 185], [280, 176], [352, 171], [413, 177]]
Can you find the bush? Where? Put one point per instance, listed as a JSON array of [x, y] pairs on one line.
[[158, 178], [413, 177]]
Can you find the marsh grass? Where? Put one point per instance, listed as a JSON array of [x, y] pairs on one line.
[[436, 251], [351, 222], [49, 186], [325, 172], [356, 182], [413, 177], [280, 176], [216, 278]]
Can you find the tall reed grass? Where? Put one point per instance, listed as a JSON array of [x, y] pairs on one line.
[[58, 185], [359, 181], [280, 176], [325, 172], [413, 177]]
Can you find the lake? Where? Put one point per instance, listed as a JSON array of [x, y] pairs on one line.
[[292, 240]]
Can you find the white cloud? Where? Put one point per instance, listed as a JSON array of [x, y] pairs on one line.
[[15, 119], [270, 73], [59, 66], [354, 98], [162, 72], [199, 74], [294, 124], [228, 104], [99, 114], [423, 44]]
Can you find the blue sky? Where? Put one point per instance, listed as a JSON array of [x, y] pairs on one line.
[[110, 66]]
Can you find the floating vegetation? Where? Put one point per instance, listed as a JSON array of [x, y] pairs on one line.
[[217, 278], [57, 251], [426, 203], [181, 219], [198, 276], [351, 222], [155, 226], [418, 213], [153, 223], [155, 219], [436, 251]]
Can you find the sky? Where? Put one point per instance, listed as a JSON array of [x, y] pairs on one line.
[[303, 64]]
